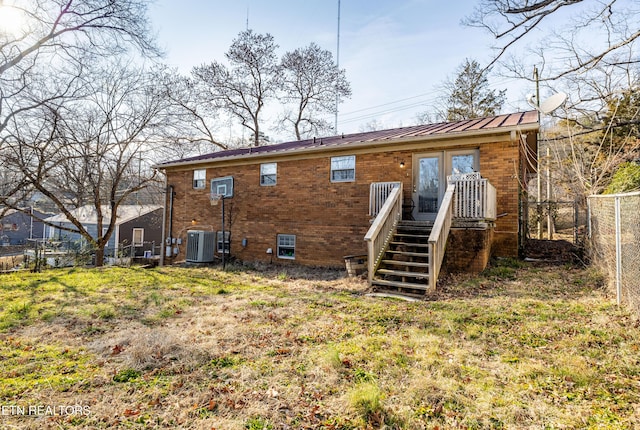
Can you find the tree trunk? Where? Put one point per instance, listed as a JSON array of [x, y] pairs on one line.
[[99, 256], [297, 129]]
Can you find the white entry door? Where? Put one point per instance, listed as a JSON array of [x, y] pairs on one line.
[[427, 186]]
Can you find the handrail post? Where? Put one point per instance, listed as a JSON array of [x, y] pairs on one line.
[[371, 264], [439, 235], [382, 228]]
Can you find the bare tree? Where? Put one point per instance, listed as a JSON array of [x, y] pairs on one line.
[[41, 62], [613, 23], [87, 150], [188, 123], [373, 125], [245, 87], [589, 150], [43, 59], [313, 83], [587, 48]]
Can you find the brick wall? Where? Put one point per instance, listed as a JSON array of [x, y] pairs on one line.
[[328, 219], [499, 163], [468, 250]]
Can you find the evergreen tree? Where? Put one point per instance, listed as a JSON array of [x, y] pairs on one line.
[[469, 94]]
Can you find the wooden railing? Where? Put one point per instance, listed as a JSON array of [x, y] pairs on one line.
[[382, 228], [378, 193], [439, 235], [474, 198]]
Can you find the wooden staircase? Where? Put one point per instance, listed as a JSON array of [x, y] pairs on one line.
[[404, 268]]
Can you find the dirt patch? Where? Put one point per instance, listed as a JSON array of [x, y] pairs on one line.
[[558, 251]]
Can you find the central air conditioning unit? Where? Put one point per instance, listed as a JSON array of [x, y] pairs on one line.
[[200, 246]]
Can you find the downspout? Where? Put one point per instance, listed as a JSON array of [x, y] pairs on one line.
[[170, 239], [164, 225], [163, 243], [116, 241]]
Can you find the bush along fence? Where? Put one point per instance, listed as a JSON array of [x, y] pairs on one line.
[[614, 230]]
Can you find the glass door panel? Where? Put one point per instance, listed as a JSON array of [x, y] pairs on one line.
[[427, 187], [463, 163]]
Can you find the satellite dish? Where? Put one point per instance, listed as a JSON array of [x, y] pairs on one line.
[[551, 104]]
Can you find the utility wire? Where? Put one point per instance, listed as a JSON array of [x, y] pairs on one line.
[[387, 111], [390, 103]]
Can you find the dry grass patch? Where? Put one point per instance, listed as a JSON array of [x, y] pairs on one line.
[[521, 346]]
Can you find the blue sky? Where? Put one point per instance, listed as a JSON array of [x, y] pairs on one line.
[[395, 53]]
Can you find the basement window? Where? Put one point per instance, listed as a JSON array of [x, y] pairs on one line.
[[222, 186], [343, 169], [199, 177], [287, 246], [268, 174]]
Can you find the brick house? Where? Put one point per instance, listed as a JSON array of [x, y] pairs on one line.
[[315, 201]]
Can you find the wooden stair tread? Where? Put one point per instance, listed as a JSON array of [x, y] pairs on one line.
[[397, 284], [409, 244], [404, 273], [425, 230], [406, 263], [412, 236], [409, 254], [410, 223]]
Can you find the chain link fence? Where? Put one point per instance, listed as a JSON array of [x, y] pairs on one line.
[[38, 254], [615, 243]]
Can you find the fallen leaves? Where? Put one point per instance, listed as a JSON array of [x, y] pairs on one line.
[[131, 412]]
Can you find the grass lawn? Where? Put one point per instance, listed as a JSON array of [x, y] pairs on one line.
[[519, 347]]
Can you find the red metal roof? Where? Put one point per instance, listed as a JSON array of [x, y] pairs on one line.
[[527, 120]]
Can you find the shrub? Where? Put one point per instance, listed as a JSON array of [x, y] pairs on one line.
[[625, 179]]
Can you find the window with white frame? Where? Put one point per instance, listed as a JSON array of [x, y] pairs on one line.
[[138, 237], [268, 174], [199, 177], [343, 169], [223, 186], [219, 242], [287, 246]]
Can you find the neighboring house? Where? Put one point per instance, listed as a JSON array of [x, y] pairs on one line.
[[312, 202], [140, 225], [17, 227]]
